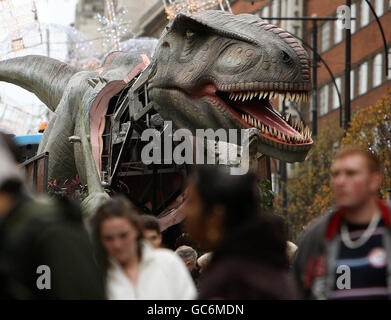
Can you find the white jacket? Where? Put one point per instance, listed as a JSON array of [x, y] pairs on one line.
[[162, 276]]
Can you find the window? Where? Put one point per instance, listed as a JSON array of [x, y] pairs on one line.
[[325, 36], [363, 78], [324, 100], [353, 14], [275, 9], [364, 16], [336, 103], [377, 70], [379, 7], [338, 32], [265, 12], [352, 84], [275, 184]]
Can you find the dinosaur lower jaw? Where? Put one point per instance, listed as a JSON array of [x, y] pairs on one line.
[[276, 130]]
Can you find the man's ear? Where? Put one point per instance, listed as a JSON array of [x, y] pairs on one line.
[[376, 181]]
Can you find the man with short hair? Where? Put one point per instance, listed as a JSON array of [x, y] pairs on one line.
[[346, 253], [151, 230], [188, 255]]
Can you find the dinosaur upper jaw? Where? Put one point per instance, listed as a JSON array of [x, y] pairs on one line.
[[252, 108]]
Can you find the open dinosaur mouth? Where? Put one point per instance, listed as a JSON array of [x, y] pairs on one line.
[[254, 109]]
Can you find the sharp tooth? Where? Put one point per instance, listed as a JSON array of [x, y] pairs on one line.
[[289, 119], [255, 93], [245, 117], [240, 95], [242, 116], [265, 95], [251, 95], [279, 135], [260, 95]]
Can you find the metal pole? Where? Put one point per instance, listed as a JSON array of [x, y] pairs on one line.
[[283, 174], [314, 108], [47, 42], [347, 73]]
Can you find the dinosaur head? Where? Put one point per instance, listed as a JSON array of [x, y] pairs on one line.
[[219, 70]]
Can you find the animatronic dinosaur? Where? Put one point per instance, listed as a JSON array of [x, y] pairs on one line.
[[210, 69]]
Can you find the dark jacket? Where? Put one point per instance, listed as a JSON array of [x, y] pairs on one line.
[[50, 234], [251, 263], [314, 262]]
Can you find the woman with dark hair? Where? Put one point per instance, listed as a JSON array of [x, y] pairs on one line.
[[133, 269], [249, 248]]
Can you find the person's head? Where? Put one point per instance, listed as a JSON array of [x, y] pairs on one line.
[[203, 261], [11, 179], [218, 202], [356, 176], [151, 230], [118, 227], [188, 255]]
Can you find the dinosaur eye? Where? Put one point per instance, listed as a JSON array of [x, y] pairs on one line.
[[189, 34], [285, 57]]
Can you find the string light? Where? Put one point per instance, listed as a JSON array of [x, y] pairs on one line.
[[173, 7], [114, 26]]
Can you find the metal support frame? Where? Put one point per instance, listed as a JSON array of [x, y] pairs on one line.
[[34, 161]]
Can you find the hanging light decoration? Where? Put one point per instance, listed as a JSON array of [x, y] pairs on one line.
[[114, 25], [173, 7]]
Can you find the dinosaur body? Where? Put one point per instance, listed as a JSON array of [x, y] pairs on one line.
[[209, 70]]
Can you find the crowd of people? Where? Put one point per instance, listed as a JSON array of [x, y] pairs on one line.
[[234, 249]]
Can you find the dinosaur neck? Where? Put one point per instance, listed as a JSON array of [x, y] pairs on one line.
[[43, 76]]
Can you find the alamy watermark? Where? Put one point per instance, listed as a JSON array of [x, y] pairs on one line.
[[216, 146], [344, 20], [44, 280], [344, 278]]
